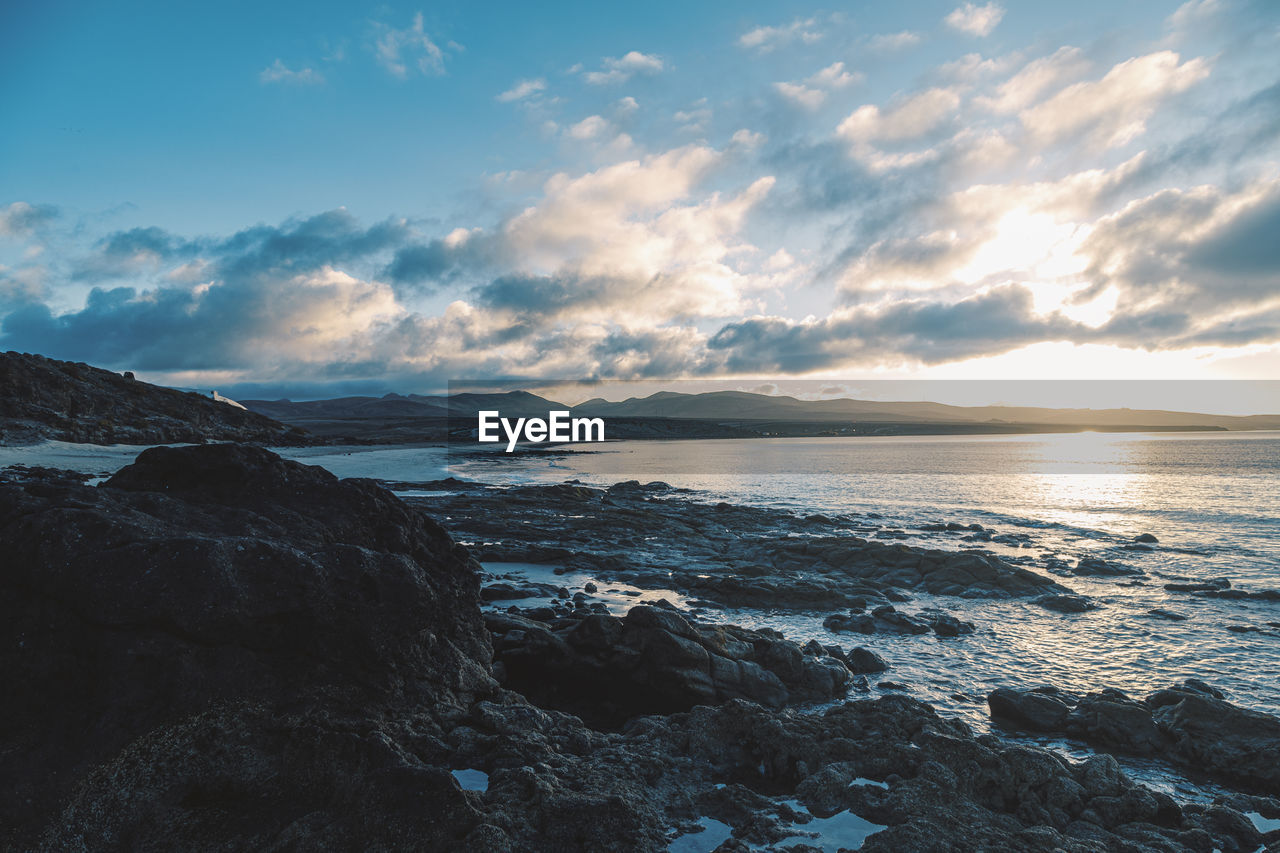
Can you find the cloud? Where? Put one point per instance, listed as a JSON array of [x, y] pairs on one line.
[[813, 91], [766, 39], [523, 89], [1113, 110], [315, 317], [21, 219], [295, 246], [1191, 13], [278, 72], [590, 127], [910, 118], [25, 286], [975, 20], [917, 331], [399, 51], [623, 68], [1035, 78], [886, 42]]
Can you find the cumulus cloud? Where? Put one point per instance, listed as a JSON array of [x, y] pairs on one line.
[[813, 91], [319, 316], [908, 331], [523, 89], [623, 68], [278, 72], [21, 219], [975, 20], [1035, 78], [1113, 110], [766, 39], [910, 118], [412, 48]]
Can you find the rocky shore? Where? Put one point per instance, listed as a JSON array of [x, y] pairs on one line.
[[220, 649], [726, 554]]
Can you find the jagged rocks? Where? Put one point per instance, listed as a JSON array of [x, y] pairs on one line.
[[886, 619], [607, 669], [1191, 724]]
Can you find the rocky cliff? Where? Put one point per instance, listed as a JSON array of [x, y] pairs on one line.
[[42, 398]]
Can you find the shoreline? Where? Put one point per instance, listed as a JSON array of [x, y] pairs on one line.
[[797, 708]]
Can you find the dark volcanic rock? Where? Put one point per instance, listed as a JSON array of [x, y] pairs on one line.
[[736, 556], [886, 619], [221, 650], [863, 661], [1191, 724], [1065, 603], [218, 577], [607, 670], [1041, 709], [64, 400]]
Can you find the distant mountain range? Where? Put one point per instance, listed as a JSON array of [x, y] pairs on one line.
[[737, 408]]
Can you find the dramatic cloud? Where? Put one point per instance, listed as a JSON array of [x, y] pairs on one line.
[[400, 51], [623, 68], [995, 205], [278, 72], [904, 332], [975, 20]]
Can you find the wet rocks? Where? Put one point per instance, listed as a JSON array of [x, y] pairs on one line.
[[1190, 724], [737, 556], [864, 661], [1095, 567], [1065, 603], [511, 592], [607, 669], [1215, 585], [1146, 539], [1169, 615], [222, 650], [886, 619]]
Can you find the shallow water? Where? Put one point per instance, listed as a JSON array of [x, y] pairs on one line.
[[1212, 499]]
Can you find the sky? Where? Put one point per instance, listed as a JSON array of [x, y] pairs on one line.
[[318, 199]]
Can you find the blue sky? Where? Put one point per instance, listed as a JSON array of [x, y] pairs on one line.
[[322, 198]]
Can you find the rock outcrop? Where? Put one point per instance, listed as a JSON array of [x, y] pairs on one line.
[[1191, 725], [68, 401], [208, 601], [736, 556], [608, 670]]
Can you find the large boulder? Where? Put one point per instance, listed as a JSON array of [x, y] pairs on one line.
[[607, 669], [216, 577]]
